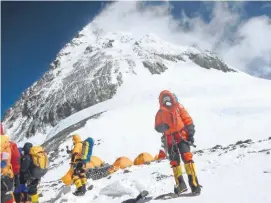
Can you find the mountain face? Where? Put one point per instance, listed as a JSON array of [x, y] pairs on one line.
[[89, 70]]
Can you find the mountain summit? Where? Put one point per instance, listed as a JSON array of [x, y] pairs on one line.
[[89, 70]]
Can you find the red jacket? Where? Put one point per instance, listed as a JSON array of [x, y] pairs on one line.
[[15, 158]]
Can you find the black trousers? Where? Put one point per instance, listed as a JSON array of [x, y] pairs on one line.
[[6, 188]]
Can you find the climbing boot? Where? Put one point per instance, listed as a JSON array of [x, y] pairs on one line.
[[180, 186], [192, 178]]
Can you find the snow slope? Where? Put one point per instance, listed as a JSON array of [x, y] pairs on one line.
[[226, 108], [242, 174]]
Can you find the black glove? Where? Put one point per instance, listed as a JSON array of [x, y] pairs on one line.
[[191, 139], [191, 131], [68, 151], [16, 182]]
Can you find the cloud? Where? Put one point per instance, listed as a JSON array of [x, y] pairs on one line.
[[243, 43]]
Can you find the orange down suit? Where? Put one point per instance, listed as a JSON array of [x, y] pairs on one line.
[[177, 127], [177, 119]]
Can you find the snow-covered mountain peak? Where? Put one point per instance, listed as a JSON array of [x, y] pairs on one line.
[[89, 70]]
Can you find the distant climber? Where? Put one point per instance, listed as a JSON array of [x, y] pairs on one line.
[[14, 157], [21, 192], [15, 163], [34, 165], [80, 155], [178, 130], [7, 175]]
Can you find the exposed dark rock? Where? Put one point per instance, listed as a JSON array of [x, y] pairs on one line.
[[88, 50], [217, 147], [243, 146], [78, 35], [208, 61], [265, 150], [169, 57], [248, 141], [109, 44], [161, 177], [199, 152], [155, 68], [126, 171]]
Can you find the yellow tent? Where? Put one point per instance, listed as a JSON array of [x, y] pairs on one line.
[[143, 158], [94, 162]]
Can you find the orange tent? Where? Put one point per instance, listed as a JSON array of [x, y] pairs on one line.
[[94, 162], [143, 158], [120, 163]]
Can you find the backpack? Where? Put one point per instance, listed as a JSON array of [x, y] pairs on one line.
[[6, 168], [87, 150], [40, 162]]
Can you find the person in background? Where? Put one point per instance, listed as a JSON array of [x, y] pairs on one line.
[[7, 175], [21, 192], [14, 159], [79, 172], [34, 165]]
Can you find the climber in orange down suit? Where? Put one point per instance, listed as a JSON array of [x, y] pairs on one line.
[[178, 133]]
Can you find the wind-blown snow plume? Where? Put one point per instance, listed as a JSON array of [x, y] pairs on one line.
[[244, 43]]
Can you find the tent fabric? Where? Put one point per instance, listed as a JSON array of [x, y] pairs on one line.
[[67, 179], [143, 158], [122, 162], [94, 162], [161, 155]]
